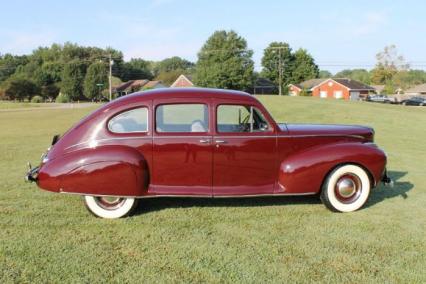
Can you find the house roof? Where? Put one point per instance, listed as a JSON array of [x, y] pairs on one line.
[[378, 88], [353, 84], [417, 89], [131, 84], [151, 84], [348, 83], [187, 78], [309, 84]]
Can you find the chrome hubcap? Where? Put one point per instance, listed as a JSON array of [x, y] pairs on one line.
[[346, 187], [109, 202]]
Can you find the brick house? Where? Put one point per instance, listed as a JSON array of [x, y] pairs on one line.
[[183, 81], [338, 88]]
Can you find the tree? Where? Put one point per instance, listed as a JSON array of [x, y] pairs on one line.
[[95, 81], [304, 67], [72, 80], [172, 64], [361, 75], [324, 74], [18, 88], [278, 63], [389, 62], [169, 77], [225, 62], [136, 69], [9, 63]]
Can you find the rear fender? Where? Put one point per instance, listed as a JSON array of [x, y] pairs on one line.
[[304, 172], [105, 170]]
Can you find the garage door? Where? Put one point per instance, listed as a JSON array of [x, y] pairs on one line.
[[354, 96]]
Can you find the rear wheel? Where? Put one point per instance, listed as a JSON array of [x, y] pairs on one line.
[[110, 207], [346, 189]]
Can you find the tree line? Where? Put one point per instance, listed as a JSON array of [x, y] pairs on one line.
[[70, 72]]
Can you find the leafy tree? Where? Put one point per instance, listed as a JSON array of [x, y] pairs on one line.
[[361, 75], [408, 78], [9, 63], [169, 77], [389, 62], [304, 67], [18, 88], [225, 62], [324, 74], [136, 69], [72, 80], [172, 64], [95, 81], [278, 57]]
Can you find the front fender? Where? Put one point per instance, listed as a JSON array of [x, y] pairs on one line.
[[105, 170], [305, 171]]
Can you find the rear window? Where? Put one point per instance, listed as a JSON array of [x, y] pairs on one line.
[[135, 120], [182, 118]]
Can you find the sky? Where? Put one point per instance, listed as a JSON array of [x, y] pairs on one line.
[[338, 34]]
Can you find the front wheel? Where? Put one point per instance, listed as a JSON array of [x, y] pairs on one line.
[[110, 207], [346, 189]]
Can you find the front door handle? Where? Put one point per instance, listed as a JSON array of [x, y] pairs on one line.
[[204, 141], [220, 141]]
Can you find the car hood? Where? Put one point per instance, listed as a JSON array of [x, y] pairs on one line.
[[328, 129]]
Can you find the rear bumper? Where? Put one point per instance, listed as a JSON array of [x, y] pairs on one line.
[[32, 175]]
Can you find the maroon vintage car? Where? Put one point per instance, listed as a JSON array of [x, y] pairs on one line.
[[206, 143]]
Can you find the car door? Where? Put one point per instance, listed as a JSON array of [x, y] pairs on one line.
[[182, 149], [244, 143]]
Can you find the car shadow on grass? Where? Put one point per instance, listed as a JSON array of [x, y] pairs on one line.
[[377, 195], [157, 204], [381, 193]]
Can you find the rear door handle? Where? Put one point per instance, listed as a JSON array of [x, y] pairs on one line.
[[220, 141], [204, 141]]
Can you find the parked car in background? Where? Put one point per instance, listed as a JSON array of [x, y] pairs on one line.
[[379, 99], [206, 143], [415, 101]]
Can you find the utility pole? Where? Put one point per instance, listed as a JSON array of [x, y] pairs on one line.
[[110, 76], [280, 71], [280, 68]]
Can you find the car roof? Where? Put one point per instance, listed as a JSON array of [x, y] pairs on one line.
[[170, 93]]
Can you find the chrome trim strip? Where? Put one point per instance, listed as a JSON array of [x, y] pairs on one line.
[[107, 139], [218, 137], [194, 196]]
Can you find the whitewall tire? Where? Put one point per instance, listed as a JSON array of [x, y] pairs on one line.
[[346, 189], [110, 207]]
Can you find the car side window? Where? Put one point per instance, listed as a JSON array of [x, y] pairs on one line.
[[182, 118], [135, 120], [240, 118]]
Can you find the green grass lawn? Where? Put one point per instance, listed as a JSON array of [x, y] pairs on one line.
[[47, 237]]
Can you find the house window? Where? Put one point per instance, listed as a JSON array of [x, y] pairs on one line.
[[323, 94], [338, 94], [135, 120], [182, 118]]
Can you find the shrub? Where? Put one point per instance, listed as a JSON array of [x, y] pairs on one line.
[[61, 98], [37, 99]]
